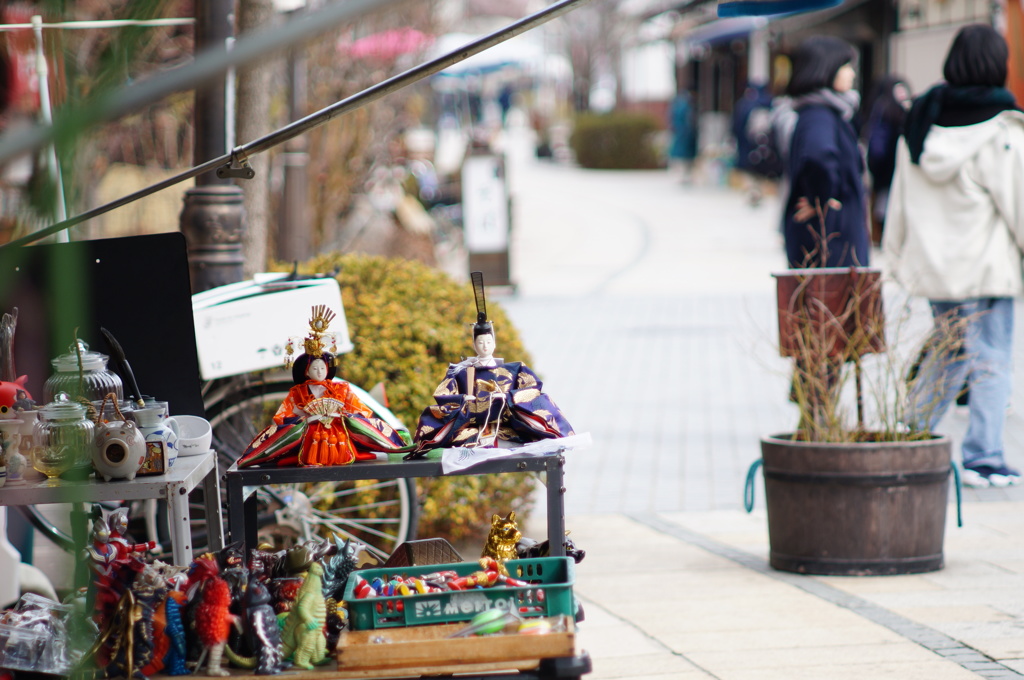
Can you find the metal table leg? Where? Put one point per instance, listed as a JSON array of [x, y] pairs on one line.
[[556, 508], [178, 519], [214, 521]]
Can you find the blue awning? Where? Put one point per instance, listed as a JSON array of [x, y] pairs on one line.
[[723, 30], [749, 8]]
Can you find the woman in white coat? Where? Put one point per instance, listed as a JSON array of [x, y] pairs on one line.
[[955, 235]]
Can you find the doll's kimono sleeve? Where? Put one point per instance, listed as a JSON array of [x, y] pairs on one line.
[[534, 414]]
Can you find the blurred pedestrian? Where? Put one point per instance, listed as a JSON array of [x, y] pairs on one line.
[[826, 224], [955, 235], [887, 110], [683, 123], [751, 126]]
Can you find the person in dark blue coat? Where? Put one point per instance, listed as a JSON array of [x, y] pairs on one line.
[[826, 221]]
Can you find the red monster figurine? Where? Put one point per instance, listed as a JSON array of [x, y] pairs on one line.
[[213, 623]]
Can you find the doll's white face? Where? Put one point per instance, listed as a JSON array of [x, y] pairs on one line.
[[484, 345], [317, 370]]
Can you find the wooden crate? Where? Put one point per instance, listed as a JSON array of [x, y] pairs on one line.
[[426, 650]]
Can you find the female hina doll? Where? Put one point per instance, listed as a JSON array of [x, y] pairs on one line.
[[484, 400], [321, 421]]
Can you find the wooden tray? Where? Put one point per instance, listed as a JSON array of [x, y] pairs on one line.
[[428, 651]]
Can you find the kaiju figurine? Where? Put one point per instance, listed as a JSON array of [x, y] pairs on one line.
[[213, 623], [262, 632], [303, 636]]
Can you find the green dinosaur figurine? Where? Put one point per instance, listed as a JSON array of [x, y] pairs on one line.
[[303, 638]]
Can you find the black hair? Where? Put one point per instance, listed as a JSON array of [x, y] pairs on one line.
[[817, 61], [883, 97], [301, 365], [978, 56], [482, 328]]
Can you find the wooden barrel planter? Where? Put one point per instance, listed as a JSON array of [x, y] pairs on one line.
[[872, 508]]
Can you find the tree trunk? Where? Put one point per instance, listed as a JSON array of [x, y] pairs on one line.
[[253, 121]]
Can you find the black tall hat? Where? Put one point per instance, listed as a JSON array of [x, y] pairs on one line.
[[482, 325]]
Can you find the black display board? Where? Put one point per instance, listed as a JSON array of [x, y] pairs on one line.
[[136, 287]]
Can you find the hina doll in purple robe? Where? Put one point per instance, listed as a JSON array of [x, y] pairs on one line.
[[483, 400]]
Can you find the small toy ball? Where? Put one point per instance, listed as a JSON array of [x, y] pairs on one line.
[[534, 627], [488, 622]]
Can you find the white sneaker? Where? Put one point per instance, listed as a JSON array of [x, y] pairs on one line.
[[1004, 478], [974, 479]]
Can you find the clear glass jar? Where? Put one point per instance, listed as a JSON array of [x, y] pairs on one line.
[[97, 380], [62, 438]]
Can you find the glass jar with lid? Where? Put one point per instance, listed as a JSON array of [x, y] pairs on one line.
[[97, 381], [62, 438]]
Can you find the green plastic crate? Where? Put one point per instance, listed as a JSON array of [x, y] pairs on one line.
[[549, 594]]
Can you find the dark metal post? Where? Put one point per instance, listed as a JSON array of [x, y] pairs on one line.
[[212, 217], [293, 232]]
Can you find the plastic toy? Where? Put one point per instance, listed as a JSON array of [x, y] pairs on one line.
[[213, 623], [262, 632], [117, 522], [303, 637]]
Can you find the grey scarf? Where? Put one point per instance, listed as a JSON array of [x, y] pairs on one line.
[[846, 103]]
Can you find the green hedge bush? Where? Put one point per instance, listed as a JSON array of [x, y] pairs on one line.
[[408, 322], [615, 141]]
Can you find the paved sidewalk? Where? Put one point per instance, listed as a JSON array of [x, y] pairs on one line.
[[648, 308]]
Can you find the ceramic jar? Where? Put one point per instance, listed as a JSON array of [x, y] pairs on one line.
[[97, 381], [161, 435], [120, 448], [62, 438]]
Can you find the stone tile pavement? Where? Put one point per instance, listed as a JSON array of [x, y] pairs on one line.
[[648, 309]]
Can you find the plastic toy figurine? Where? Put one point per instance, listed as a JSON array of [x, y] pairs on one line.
[[149, 623], [262, 631], [321, 421], [338, 565], [201, 575], [502, 540], [118, 524], [174, 660], [102, 558], [484, 399], [213, 623], [528, 548], [303, 638]]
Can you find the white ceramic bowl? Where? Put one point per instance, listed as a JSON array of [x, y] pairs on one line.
[[196, 435]]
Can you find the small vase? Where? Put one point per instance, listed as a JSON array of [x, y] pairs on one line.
[[161, 435]]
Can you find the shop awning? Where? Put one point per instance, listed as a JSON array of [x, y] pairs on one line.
[[724, 30]]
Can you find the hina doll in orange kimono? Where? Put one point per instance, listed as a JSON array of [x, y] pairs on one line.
[[321, 421]]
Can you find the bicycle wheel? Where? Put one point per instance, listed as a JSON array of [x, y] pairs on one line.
[[380, 513]]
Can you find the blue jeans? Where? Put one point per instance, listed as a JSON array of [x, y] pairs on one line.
[[986, 329]]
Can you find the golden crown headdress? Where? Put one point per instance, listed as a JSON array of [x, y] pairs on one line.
[[314, 343]]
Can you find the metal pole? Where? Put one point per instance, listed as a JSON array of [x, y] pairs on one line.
[[212, 217], [53, 163], [310, 122], [293, 241]]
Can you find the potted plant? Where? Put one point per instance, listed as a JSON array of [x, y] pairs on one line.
[[844, 498]]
